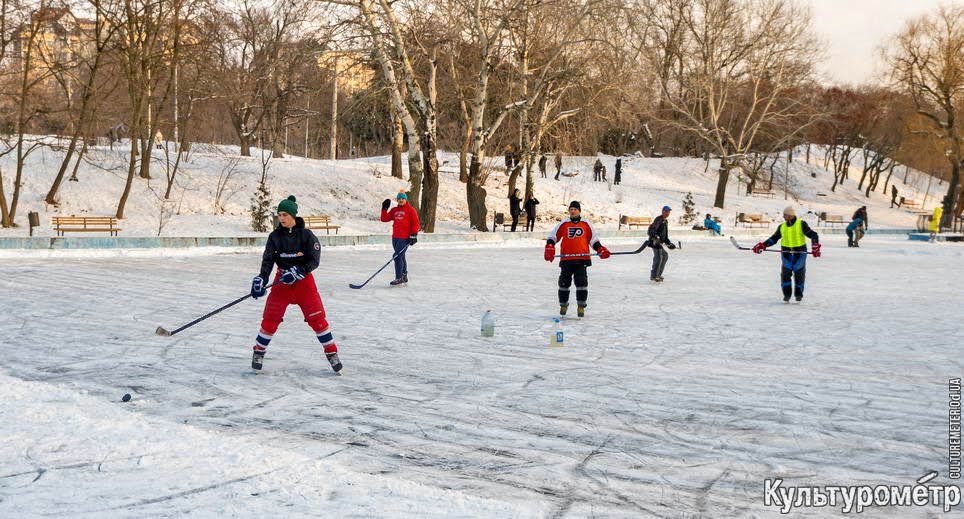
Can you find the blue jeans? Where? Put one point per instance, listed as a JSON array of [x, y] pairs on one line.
[[401, 266]]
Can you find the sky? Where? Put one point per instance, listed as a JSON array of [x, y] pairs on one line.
[[855, 29]]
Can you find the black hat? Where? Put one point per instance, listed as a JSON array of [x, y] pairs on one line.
[[575, 203]]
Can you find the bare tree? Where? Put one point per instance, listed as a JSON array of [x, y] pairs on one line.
[[739, 68], [927, 61]]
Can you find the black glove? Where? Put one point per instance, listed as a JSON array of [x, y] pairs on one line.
[[257, 287], [386, 204], [671, 245], [413, 239]]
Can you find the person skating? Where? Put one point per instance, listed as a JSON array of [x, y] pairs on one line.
[[659, 236], [296, 251], [854, 232], [405, 228], [514, 208], [862, 214], [530, 207], [792, 235], [575, 237]]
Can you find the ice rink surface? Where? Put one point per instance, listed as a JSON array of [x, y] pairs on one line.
[[671, 400]]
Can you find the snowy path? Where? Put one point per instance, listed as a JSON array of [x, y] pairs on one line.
[[668, 400]]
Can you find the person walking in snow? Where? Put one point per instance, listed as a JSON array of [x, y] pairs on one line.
[[854, 232], [514, 208], [618, 172], [530, 207], [792, 235], [712, 225], [658, 236], [542, 165], [597, 171], [575, 237], [296, 251], [405, 228], [893, 196], [558, 163]]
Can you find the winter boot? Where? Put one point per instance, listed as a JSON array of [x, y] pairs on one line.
[[396, 282], [786, 299], [257, 360], [563, 309], [333, 360], [581, 311]]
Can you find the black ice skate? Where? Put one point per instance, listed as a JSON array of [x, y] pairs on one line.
[[563, 309], [396, 282], [257, 360], [335, 363]]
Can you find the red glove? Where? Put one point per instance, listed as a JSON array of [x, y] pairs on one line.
[[550, 252], [816, 250], [603, 252], [759, 247]]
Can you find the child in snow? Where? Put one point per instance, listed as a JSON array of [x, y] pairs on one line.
[[792, 234], [296, 251], [576, 236], [405, 229], [712, 225]]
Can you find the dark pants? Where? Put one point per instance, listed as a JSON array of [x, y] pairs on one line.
[[795, 266], [515, 221], [617, 179], [573, 270], [401, 265], [531, 221], [660, 256], [558, 170]]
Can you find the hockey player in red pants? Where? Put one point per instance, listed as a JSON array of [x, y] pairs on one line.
[[296, 251]]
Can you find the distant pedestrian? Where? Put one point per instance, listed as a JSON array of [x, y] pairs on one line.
[[530, 207], [514, 209], [893, 196], [558, 164], [508, 160], [597, 171], [618, 172], [159, 140], [542, 165]]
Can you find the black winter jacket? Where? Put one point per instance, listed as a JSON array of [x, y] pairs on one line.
[[658, 232], [284, 246]]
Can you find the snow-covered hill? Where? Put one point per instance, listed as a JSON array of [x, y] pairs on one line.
[[352, 190]]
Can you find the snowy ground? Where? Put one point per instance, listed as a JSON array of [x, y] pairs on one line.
[[675, 400], [351, 191]]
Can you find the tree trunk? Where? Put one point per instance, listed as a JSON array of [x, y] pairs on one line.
[[724, 177], [430, 185], [398, 143], [475, 195], [245, 145]]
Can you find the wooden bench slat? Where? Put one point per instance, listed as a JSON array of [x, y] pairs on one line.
[[320, 222]]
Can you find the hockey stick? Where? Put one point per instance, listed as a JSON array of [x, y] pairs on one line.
[[356, 287], [737, 245], [637, 251], [162, 332]]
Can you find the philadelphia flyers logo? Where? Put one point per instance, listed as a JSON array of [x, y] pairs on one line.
[[575, 232]]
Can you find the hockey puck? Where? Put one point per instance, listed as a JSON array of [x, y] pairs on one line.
[[126, 397]]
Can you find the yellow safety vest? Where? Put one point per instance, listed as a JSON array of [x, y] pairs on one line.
[[792, 235], [936, 219]]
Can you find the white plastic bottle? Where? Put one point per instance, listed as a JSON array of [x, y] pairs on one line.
[[558, 337], [488, 324]]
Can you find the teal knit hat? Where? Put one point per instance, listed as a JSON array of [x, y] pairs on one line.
[[289, 206]]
